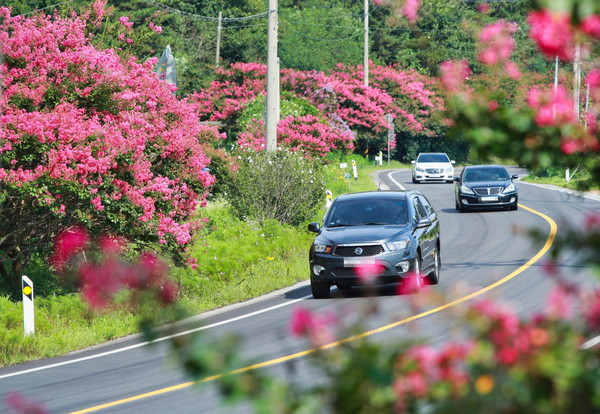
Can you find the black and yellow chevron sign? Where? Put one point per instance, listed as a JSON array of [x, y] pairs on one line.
[[27, 290]]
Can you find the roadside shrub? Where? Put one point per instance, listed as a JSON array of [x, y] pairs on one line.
[[278, 185]]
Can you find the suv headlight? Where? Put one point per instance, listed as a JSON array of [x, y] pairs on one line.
[[509, 188], [397, 245], [322, 248], [465, 190]]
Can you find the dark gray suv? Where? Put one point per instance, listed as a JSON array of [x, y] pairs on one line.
[[391, 233]]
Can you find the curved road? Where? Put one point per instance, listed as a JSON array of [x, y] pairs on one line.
[[484, 255]]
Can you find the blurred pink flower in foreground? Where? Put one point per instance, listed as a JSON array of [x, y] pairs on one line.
[[67, 244], [454, 73], [21, 405], [590, 25], [316, 326], [496, 43], [553, 34], [367, 273], [410, 9], [560, 303], [412, 283], [553, 108]]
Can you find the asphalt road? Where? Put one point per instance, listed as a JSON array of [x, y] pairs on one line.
[[484, 255]]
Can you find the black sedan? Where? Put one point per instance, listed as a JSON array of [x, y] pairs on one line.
[[379, 236], [485, 187]]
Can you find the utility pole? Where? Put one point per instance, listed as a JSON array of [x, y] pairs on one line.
[[577, 79], [366, 46], [217, 58], [272, 103]]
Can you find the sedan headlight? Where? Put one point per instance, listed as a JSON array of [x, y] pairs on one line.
[[397, 245], [419, 169], [322, 248], [509, 188], [449, 169], [465, 190]]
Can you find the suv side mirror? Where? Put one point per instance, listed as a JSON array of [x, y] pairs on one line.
[[413, 162], [314, 227], [423, 222]]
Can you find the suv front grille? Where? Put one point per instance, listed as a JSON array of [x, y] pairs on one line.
[[350, 251], [487, 190], [379, 270]]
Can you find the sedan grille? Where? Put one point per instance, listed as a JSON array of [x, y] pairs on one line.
[[434, 170], [352, 251], [487, 190], [379, 270]]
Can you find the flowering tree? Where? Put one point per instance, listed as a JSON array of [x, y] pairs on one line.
[[88, 137], [345, 106]]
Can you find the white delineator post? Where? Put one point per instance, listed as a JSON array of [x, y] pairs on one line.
[[28, 318], [329, 198]]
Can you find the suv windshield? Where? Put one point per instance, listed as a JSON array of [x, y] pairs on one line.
[[433, 158], [367, 212]]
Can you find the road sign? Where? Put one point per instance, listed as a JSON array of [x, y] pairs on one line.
[[28, 317]]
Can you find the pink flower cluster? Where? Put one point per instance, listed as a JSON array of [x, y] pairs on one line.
[[101, 126], [315, 326], [556, 36], [102, 281], [496, 45], [422, 367], [552, 107], [305, 133], [340, 96]]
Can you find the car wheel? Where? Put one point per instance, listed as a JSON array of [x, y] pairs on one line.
[[433, 278], [415, 181], [513, 208], [449, 181], [460, 207], [320, 290]]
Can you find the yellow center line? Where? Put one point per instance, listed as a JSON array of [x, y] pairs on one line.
[[543, 250]]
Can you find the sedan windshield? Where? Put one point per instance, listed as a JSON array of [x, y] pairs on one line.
[[486, 174], [433, 158], [367, 213]]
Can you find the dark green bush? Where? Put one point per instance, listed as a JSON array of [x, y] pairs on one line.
[[278, 185]]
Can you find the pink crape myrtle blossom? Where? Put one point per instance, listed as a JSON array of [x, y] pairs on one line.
[[22, 405], [590, 25], [367, 273], [308, 134], [113, 139], [496, 43], [412, 283], [560, 303], [553, 107], [101, 281], [553, 34], [410, 9], [453, 74], [315, 326]]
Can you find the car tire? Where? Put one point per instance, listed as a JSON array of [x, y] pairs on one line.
[[320, 290], [433, 278], [449, 181], [513, 208], [415, 181]]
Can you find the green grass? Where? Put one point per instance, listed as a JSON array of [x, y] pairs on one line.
[[237, 261]]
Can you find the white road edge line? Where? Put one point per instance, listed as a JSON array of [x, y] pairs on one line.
[[164, 338]]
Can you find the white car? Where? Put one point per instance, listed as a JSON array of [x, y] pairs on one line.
[[433, 166]]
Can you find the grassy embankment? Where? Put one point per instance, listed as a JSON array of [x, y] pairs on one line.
[[237, 261]]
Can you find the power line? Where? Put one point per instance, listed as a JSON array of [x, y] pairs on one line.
[[208, 18]]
